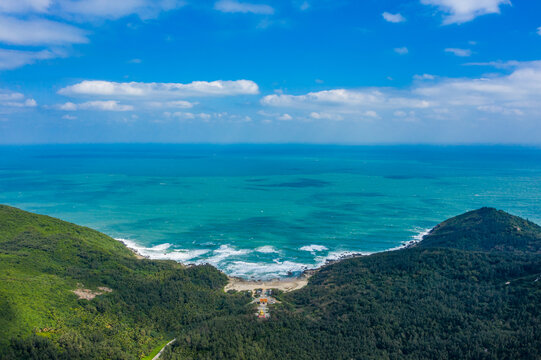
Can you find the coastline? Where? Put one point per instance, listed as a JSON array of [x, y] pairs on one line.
[[285, 284]]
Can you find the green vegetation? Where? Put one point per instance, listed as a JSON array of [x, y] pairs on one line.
[[43, 259], [155, 351], [486, 229], [422, 302], [470, 290]]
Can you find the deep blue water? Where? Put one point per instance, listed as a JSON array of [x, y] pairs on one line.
[[265, 210]]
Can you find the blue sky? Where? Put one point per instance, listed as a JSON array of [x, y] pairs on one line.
[[227, 71]]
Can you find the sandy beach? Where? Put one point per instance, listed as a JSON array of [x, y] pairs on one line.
[[286, 285]]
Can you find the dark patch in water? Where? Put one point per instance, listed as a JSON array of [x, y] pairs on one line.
[[408, 177], [255, 180], [301, 183], [256, 188]]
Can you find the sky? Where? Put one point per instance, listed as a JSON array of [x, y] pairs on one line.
[[283, 71]]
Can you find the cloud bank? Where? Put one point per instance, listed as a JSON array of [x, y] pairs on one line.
[[154, 90], [517, 94]]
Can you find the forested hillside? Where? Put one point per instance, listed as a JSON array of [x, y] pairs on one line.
[[42, 260], [470, 290], [432, 301], [486, 229]]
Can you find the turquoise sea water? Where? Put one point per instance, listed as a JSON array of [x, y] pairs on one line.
[[266, 210]]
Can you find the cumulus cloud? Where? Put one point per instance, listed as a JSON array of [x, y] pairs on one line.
[[149, 90], [393, 18], [515, 94], [107, 105], [15, 100], [459, 52], [38, 32], [461, 11], [233, 6]]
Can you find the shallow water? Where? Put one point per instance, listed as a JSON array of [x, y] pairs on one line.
[[266, 210]]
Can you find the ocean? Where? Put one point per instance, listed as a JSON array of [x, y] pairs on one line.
[[265, 211]]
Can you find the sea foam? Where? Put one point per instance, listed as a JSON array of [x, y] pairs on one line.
[[313, 248], [267, 249], [160, 252]]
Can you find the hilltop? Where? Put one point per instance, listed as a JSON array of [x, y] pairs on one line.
[[486, 229]]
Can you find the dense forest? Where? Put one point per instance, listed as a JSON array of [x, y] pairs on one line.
[[42, 260], [470, 289], [479, 300]]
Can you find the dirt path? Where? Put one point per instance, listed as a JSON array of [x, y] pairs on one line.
[[161, 351]]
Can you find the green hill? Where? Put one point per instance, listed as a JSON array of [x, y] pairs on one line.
[[422, 302], [43, 260], [470, 290], [486, 229]]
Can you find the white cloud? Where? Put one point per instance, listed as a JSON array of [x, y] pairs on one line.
[[424, 77], [11, 59], [459, 52], [24, 6], [189, 115], [331, 97], [30, 24], [116, 9], [107, 105], [305, 6], [401, 50], [181, 104], [233, 6], [285, 117], [30, 103], [511, 95], [394, 18], [148, 90], [69, 117], [38, 32], [539, 30], [496, 64], [495, 109], [325, 116], [15, 100], [85, 9], [461, 11]]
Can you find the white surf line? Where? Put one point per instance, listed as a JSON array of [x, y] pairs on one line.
[[163, 348]]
